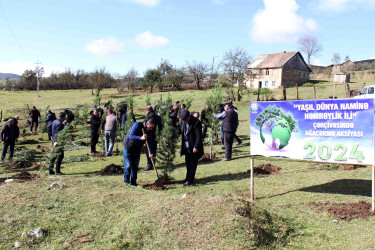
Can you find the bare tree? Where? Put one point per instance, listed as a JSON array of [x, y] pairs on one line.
[[336, 58], [130, 80], [198, 71], [347, 58], [310, 46], [234, 64]]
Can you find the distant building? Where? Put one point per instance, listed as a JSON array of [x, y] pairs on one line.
[[341, 78], [276, 70]]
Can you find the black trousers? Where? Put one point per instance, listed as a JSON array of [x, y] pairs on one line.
[[59, 156], [237, 139], [94, 140], [191, 167], [204, 132], [228, 143], [32, 125]]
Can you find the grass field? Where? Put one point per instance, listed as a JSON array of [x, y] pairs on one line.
[[101, 212]]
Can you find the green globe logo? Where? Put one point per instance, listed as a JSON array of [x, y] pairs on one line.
[[276, 127]]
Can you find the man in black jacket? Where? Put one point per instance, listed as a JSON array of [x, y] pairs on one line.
[[191, 144], [230, 123], [50, 118], [95, 123], [158, 123], [35, 115], [9, 135]]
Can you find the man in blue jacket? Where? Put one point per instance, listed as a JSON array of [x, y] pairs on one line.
[[58, 154], [9, 136], [133, 143]]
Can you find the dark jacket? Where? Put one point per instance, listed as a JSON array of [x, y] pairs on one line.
[[95, 123], [57, 126], [132, 141], [194, 137], [173, 116], [34, 114], [9, 133], [230, 121], [204, 116], [157, 119], [50, 118]]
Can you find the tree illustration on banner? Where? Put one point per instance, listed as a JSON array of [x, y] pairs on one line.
[[278, 126]]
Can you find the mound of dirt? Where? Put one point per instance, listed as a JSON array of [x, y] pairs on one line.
[[28, 142], [41, 148], [346, 211], [20, 148], [111, 170], [19, 165], [350, 167], [265, 169], [206, 157], [24, 176], [159, 184]]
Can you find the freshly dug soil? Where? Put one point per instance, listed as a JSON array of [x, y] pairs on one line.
[[19, 165], [41, 148], [159, 184], [345, 211], [350, 167], [265, 169], [29, 142], [206, 157], [20, 148], [24, 176], [111, 170]]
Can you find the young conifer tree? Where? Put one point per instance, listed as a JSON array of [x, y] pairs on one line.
[[167, 140], [213, 101]]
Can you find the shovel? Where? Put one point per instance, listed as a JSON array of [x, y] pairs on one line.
[[152, 160]]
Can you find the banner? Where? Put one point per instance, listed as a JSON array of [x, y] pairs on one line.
[[339, 130]]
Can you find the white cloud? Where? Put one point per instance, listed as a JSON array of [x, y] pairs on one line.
[[342, 5], [148, 40], [316, 61], [279, 22], [149, 3], [105, 47], [17, 67]]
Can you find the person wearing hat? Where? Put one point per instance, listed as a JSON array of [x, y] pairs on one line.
[[191, 144], [9, 135], [230, 123], [35, 115]]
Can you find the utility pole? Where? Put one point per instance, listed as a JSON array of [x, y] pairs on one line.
[[39, 72], [212, 68]]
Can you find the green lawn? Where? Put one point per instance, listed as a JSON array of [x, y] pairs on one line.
[[102, 212]]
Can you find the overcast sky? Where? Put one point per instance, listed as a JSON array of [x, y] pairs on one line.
[[121, 34]]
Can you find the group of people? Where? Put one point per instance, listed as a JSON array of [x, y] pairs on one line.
[[192, 130]]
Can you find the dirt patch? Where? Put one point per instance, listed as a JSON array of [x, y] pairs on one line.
[[29, 142], [206, 158], [24, 176], [111, 170], [265, 169], [19, 165], [345, 211], [20, 148], [345, 168], [42, 148], [85, 238], [159, 184]]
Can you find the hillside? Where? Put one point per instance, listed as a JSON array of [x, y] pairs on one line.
[[8, 75]]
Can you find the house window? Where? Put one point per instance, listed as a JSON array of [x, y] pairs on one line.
[[274, 72], [304, 75], [273, 83], [249, 72], [300, 74], [267, 72], [266, 84]]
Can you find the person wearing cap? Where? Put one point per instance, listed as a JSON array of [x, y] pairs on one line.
[[95, 122], [133, 143], [49, 120], [158, 123], [230, 123], [58, 153], [9, 135], [34, 115], [191, 144]]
